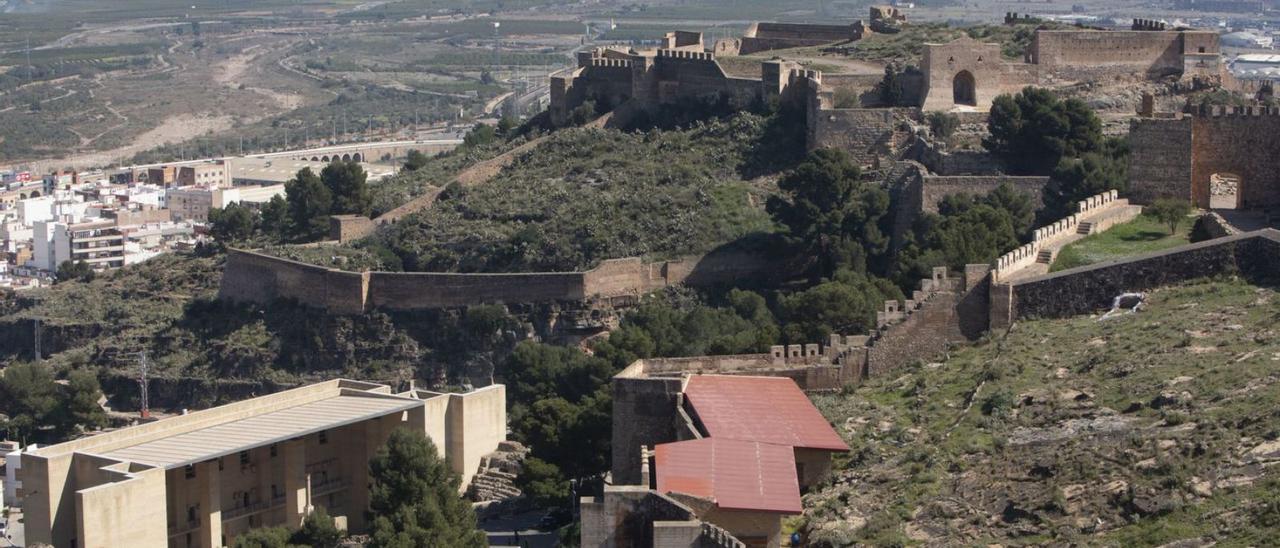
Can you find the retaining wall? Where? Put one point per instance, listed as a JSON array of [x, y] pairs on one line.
[[1252, 255], [256, 277]]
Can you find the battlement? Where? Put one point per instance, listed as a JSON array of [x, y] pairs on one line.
[[1096, 202], [895, 312], [1091, 209], [686, 55], [1015, 18], [610, 63], [812, 75], [1148, 24], [1223, 111]]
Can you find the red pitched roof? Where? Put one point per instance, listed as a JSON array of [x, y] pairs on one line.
[[764, 409], [737, 475]]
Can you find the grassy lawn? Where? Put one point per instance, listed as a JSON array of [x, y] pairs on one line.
[[1142, 235]]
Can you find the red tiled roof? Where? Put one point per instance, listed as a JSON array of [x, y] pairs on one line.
[[764, 409], [737, 475]]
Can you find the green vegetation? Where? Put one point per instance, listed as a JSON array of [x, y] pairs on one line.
[[591, 194], [831, 216], [413, 497], [1144, 234], [78, 271], [1170, 211], [1074, 431], [1033, 130], [318, 531], [35, 407]]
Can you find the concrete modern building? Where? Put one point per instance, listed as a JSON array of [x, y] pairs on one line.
[[98, 243], [201, 479], [214, 173]]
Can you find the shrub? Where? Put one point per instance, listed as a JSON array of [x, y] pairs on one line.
[[1170, 211]]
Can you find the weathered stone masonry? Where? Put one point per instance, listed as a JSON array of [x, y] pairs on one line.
[[1083, 290], [255, 277], [1175, 154]]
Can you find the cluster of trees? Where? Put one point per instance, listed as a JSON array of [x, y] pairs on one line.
[[35, 407], [1036, 133], [303, 215]]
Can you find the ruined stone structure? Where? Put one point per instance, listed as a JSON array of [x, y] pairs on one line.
[[664, 76], [255, 277], [1175, 154], [761, 37], [968, 74]]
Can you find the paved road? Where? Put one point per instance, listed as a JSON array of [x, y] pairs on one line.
[[13, 531], [502, 531]]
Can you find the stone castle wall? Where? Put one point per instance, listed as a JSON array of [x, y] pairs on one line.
[[255, 277], [1174, 155], [771, 36], [936, 187], [1160, 158], [1088, 51], [1244, 141], [1087, 289]]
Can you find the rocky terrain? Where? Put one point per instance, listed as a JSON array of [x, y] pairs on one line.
[[1149, 428]]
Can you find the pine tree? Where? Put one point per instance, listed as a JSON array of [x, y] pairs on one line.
[[414, 500]]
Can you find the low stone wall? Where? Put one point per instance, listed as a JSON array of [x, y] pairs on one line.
[[256, 277], [1253, 255]]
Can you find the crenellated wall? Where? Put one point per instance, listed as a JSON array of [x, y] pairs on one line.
[[1100, 211]]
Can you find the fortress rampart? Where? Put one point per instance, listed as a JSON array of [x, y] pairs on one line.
[[256, 277], [1252, 255], [1174, 154], [1101, 211]]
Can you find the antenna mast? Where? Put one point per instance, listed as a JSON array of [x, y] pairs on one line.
[[142, 382]]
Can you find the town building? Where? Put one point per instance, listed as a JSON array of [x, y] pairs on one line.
[[100, 243], [213, 173], [730, 455], [203, 478]]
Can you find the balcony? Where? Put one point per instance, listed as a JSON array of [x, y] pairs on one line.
[[332, 484], [184, 528], [253, 508]]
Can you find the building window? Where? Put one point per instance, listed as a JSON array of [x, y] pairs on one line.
[[1201, 49], [273, 451], [220, 469], [190, 471], [244, 458], [324, 437]]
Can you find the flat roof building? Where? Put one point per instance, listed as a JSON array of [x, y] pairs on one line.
[[201, 479]]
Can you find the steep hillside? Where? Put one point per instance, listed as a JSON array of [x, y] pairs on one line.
[[591, 194], [1140, 429], [204, 351]]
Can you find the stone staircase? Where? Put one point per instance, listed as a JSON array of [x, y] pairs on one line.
[[1045, 256], [1085, 227]]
